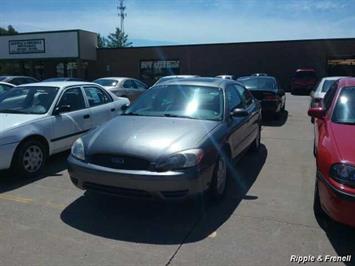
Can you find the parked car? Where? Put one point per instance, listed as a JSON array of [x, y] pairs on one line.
[[4, 87], [227, 77], [57, 79], [321, 89], [267, 90], [303, 81], [166, 78], [17, 80], [41, 119], [123, 87], [334, 148], [176, 140], [259, 74]]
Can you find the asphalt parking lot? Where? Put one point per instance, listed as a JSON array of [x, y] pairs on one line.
[[266, 217]]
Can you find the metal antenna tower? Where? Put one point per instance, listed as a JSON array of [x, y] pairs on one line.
[[121, 13]]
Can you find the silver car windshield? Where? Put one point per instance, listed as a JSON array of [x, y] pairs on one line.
[[194, 102], [28, 100]]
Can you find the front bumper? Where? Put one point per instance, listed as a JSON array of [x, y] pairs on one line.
[[336, 203], [6, 154], [137, 183]]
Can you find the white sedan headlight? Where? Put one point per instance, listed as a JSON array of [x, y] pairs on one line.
[[183, 159], [77, 150]]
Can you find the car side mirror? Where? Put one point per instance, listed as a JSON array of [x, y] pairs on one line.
[[316, 112], [62, 109], [124, 107], [239, 112]]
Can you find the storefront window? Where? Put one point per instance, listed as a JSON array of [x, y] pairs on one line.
[[60, 70]]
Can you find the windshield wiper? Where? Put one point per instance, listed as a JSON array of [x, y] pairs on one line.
[[10, 111], [179, 116]]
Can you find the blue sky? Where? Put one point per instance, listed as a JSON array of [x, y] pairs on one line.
[[159, 22]]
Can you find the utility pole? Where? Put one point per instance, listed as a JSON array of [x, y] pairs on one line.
[[121, 13]]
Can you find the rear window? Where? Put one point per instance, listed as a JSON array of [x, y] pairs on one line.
[[264, 84], [106, 82], [327, 84], [305, 74]]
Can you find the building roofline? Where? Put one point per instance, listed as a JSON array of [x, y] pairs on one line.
[[44, 32], [232, 43]]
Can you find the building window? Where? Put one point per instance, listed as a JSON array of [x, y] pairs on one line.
[[60, 70]]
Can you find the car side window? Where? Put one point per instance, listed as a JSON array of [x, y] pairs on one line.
[[328, 98], [246, 95], [96, 96], [139, 85], [73, 98], [233, 99], [17, 81], [129, 84]]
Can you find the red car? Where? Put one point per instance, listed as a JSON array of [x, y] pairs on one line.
[[303, 81], [334, 148]]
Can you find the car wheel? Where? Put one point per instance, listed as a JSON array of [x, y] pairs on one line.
[[220, 177], [30, 158], [255, 146]]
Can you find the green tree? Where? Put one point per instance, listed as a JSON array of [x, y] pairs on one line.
[[101, 41], [118, 39], [10, 30]]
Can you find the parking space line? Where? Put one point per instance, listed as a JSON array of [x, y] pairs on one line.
[[15, 198]]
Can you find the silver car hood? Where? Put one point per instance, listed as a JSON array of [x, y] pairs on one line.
[[9, 121], [147, 137]]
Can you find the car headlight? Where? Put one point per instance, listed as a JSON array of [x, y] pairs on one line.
[[183, 159], [343, 173], [77, 150]]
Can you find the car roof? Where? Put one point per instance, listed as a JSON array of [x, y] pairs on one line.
[[333, 78], [115, 78], [6, 76], [346, 82], [198, 81], [59, 84], [256, 77]]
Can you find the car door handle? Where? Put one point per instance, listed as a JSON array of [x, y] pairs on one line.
[[113, 109], [86, 116]]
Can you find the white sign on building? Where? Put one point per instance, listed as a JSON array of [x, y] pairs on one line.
[[27, 46]]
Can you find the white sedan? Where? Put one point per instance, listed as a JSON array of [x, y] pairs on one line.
[[41, 119]]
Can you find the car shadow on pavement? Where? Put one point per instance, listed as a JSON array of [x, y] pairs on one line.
[[341, 237], [55, 165], [271, 121], [159, 222]]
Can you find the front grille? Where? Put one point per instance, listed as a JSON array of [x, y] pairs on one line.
[[123, 192], [120, 162]]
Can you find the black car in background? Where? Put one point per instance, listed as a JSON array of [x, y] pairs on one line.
[[267, 90], [176, 140], [17, 80]]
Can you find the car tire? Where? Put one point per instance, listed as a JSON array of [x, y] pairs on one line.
[[255, 146], [30, 158], [219, 182]]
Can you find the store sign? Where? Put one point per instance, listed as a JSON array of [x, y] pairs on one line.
[[153, 69], [32, 46]]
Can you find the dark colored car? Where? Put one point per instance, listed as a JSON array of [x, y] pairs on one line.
[[304, 81], [175, 141], [62, 79], [18, 80], [267, 90], [334, 148]]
